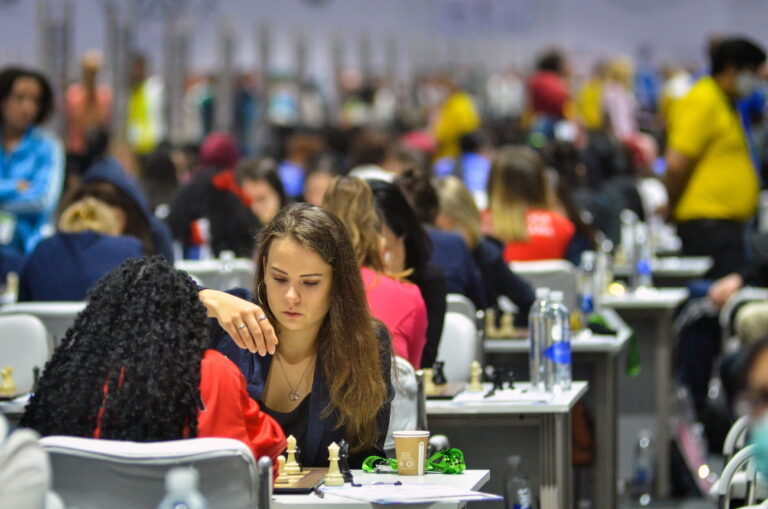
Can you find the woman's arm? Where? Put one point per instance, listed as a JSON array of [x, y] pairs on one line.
[[244, 321]]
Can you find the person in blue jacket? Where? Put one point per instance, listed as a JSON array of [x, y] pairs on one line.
[[312, 354], [106, 181], [31, 159], [87, 246]]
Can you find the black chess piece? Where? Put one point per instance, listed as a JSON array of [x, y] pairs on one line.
[[344, 461], [438, 375], [510, 379], [499, 377]]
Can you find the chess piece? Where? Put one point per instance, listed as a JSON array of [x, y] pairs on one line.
[[499, 377], [7, 383], [491, 331], [510, 379], [282, 476], [429, 384], [333, 477], [346, 473], [474, 381], [507, 330], [291, 465], [438, 376]]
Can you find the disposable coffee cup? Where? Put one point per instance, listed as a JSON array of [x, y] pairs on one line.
[[411, 451]]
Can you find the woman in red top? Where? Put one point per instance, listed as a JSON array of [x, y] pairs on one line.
[[397, 303], [519, 213], [134, 366]]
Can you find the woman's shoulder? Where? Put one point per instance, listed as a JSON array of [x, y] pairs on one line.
[[216, 365], [375, 281]]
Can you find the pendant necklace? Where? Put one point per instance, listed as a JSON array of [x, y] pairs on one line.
[[293, 394]]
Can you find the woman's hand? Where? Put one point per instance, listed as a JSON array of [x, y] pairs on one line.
[[722, 289], [244, 321]]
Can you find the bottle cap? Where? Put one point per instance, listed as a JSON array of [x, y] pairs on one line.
[[587, 257], [556, 296], [181, 480], [513, 461], [542, 293]]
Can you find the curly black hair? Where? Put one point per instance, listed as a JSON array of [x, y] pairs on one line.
[[130, 364]]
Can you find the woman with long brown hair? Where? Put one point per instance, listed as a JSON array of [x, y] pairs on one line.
[[397, 303], [519, 211], [311, 352]]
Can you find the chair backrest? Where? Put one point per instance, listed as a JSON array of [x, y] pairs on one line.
[[220, 274], [90, 473], [742, 460], [24, 345], [404, 410], [458, 303], [58, 316], [737, 436], [553, 274], [459, 346]]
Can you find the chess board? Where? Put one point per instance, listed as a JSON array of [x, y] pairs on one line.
[[446, 391], [303, 482]]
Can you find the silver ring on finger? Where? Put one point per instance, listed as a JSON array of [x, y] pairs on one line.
[[261, 317], [241, 326]]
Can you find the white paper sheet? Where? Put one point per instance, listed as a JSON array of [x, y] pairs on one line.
[[407, 493]]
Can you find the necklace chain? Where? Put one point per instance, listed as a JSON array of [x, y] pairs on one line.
[[293, 394]]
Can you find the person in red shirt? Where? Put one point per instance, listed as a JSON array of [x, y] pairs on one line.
[[396, 302], [134, 366], [548, 93], [519, 212]]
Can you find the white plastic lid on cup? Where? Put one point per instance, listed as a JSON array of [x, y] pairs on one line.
[[410, 433]]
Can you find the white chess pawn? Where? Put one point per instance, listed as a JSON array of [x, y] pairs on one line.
[[333, 477], [281, 474], [291, 465], [474, 381], [429, 381]]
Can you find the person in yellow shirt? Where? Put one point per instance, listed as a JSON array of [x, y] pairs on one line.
[[145, 108], [590, 99], [712, 184], [456, 117]]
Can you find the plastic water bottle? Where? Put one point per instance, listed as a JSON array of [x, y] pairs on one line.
[[537, 335], [558, 354], [517, 489], [643, 480], [587, 286], [227, 269], [627, 243], [181, 490], [641, 275]]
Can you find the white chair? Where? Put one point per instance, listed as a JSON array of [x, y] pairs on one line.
[[90, 473], [459, 346], [739, 480], [736, 438], [553, 274], [404, 411], [220, 274], [58, 316], [24, 345], [458, 303]]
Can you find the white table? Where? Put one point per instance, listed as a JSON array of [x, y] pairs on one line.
[[469, 479], [672, 269], [599, 354], [488, 432], [649, 312]]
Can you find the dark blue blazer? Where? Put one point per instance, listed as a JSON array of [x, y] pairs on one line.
[[321, 429], [462, 275], [66, 265]]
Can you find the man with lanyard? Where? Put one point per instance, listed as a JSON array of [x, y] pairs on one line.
[[712, 183]]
